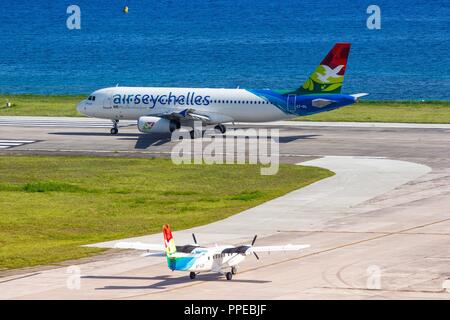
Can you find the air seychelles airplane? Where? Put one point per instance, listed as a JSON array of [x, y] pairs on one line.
[[163, 110], [196, 259]]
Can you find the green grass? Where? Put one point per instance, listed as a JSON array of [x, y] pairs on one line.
[[49, 206], [40, 105], [364, 111], [388, 111]]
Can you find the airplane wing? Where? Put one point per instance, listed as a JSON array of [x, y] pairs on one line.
[[186, 114], [140, 246], [248, 249], [154, 247], [289, 247]]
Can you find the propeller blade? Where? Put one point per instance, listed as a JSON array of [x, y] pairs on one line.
[[256, 255], [195, 240], [254, 239]]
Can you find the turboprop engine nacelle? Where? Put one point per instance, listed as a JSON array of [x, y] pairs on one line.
[[156, 125]]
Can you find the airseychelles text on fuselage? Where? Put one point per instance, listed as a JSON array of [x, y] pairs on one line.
[[188, 99]]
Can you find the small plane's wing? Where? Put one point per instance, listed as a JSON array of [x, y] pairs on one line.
[[288, 247], [248, 249], [154, 247], [140, 246]]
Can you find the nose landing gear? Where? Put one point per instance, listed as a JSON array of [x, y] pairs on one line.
[[115, 128]]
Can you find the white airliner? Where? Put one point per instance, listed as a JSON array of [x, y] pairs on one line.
[[197, 259], [163, 110]]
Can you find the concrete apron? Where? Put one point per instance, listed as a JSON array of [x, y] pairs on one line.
[[357, 179]]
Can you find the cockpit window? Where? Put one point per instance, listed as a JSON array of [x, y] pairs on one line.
[[91, 98]]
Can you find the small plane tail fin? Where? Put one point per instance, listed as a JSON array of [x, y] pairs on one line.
[[168, 241], [329, 75]]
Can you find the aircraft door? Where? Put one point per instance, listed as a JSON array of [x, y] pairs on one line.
[[291, 100], [110, 108], [107, 103]]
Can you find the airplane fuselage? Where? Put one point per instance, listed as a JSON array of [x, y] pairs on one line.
[[221, 105], [205, 260]]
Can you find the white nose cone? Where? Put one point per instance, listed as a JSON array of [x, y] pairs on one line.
[[81, 107]]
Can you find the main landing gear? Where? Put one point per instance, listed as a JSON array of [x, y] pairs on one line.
[[229, 275], [196, 133], [115, 128], [221, 128]]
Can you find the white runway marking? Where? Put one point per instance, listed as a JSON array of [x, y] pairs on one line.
[[80, 122], [5, 144], [300, 124], [68, 122]]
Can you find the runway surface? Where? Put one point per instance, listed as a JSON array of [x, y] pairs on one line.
[[379, 228]]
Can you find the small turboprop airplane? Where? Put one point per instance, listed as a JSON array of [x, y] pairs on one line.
[[163, 110], [197, 259]]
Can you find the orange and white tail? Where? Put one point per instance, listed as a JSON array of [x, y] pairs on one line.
[[168, 240]]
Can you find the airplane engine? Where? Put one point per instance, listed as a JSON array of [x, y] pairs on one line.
[[157, 125]]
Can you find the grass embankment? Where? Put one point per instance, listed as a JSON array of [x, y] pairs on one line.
[[364, 111], [388, 111], [49, 206], [40, 105]]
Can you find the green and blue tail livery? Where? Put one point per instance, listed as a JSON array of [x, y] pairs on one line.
[[329, 75]]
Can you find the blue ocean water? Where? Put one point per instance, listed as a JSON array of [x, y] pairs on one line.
[[224, 43]]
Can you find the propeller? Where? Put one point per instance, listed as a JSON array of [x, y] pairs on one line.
[[195, 239], [253, 242]]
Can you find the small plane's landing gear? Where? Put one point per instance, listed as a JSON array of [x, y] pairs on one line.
[[221, 128], [115, 129], [233, 270], [192, 275], [228, 275]]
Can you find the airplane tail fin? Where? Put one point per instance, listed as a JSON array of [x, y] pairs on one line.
[[329, 75], [168, 241]]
